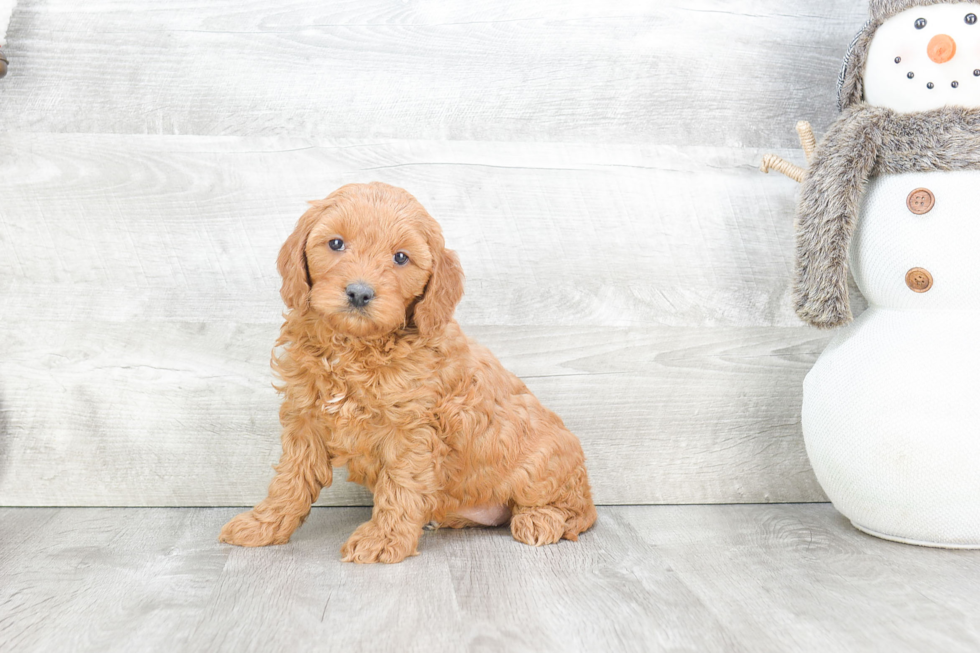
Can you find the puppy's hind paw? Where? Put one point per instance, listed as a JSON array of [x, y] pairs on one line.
[[248, 530], [538, 526]]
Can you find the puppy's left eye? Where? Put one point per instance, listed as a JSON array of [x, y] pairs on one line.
[[337, 244], [401, 258]]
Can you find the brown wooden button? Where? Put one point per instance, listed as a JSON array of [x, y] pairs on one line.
[[3, 65], [919, 280], [921, 201]]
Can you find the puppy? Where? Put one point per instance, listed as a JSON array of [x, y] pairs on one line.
[[377, 375]]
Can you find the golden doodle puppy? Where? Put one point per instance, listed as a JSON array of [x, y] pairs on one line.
[[378, 376]]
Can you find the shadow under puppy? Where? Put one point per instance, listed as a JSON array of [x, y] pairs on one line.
[[378, 376]]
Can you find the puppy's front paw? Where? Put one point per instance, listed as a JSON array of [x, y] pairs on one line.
[[248, 530], [370, 543]]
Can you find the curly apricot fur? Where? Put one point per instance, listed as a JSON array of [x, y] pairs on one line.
[[424, 417]]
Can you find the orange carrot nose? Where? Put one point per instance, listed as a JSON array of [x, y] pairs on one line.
[[942, 48]]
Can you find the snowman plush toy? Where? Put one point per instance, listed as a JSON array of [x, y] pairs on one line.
[[891, 410]]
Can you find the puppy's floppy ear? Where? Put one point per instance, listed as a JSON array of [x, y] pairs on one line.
[[292, 265], [444, 290]]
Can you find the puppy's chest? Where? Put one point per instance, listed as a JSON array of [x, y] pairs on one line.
[[359, 403]]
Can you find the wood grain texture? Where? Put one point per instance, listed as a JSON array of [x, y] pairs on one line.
[[800, 578], [595, 169], [165, 228], [674, 72], [752, 579], [141, 303], [184, 413]]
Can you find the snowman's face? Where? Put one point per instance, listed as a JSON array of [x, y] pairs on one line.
[[926, 58]]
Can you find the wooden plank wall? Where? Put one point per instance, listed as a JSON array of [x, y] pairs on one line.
[[594, 165]]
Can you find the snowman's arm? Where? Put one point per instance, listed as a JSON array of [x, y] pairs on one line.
[[807, 139], [779, 164], [791, 170]]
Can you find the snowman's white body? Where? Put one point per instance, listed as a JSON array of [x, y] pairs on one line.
[[891, 410]]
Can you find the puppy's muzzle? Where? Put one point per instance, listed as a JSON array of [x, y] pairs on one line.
[[359, 294]]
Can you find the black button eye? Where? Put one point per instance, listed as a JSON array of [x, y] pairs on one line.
[[971, 19], [401, 258], [920, 24], [336, 244]]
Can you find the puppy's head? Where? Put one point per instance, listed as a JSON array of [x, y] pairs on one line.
[[370, 260]]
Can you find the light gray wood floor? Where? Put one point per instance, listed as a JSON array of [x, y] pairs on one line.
[[693, 578]]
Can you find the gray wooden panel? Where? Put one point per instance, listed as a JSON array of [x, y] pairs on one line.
[[171, 414], [102, 227], [672, 72], [737, 579], [140, 304]]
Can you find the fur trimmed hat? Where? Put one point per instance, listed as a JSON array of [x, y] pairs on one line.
[[884, 9], [850, 84]]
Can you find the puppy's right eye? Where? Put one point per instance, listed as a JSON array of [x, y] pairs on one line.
[[336, 244]]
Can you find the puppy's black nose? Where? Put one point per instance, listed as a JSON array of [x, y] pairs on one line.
[[359, 294]]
